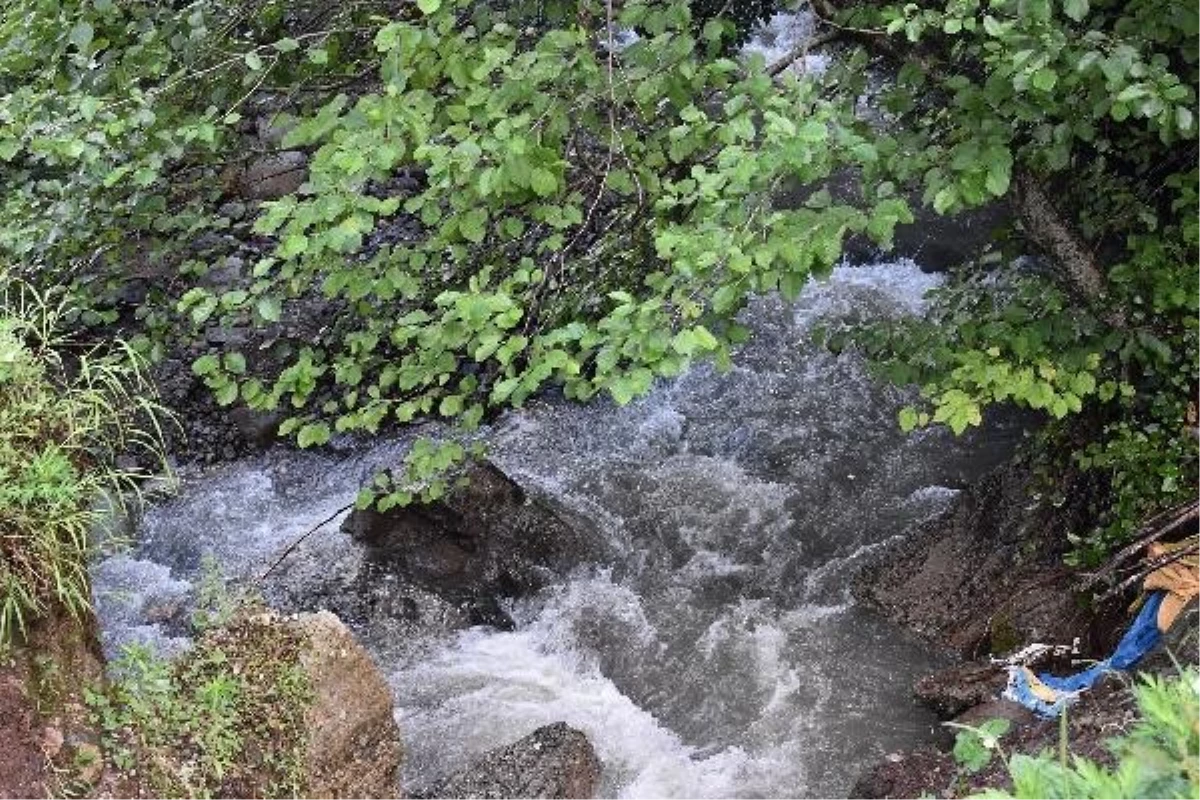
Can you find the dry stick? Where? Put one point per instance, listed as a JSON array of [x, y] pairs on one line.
[[803, 49], [296, 543], [1150, 532], [1157, 563]]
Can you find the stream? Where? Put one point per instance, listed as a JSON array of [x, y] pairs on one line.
[[717, 651]]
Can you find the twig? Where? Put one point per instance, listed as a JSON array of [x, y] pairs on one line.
[[1157, 563], [296, 543], [803, 49], [1153, 530]]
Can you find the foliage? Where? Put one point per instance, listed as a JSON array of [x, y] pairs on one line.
[[1158, 757], [226, 720], [509, 199], [1094, 102], [65, 414], [590, 219], [118, 123], [974, 746]]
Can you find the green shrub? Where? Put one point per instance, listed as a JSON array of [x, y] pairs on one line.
[[63, 421], [226, 720], [1158, 757]]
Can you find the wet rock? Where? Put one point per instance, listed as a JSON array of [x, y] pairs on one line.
[[934, 241], [555, 761], [259, 428], [952, 691], [274, 175], [353, 743], [937, 242], [485, 539], [988, 576]]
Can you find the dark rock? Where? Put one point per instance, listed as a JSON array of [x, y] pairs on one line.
[[272, 176], [934, 241], [997, 708], [133, 292], [226, 336], [937, 242], [555, 761], [227, 273], [487, 538], [232, 211], [952, 691], [259, 428]]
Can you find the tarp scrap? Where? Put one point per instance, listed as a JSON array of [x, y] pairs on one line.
[[1047, 695], [1171, 587], [1179, 579]]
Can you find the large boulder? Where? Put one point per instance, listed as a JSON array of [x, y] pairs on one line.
[[486, 539], [555, 761], [353, 743]]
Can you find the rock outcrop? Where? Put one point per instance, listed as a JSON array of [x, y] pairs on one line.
[[45, 735], [349, 739], [988, 576], [555, 761], [486, 539]]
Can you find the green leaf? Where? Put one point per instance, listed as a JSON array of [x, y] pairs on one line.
[[315, 433], [543, 182], [235, 363], [429, 6], [269, 308], [472, 225], [998, 177], [1044, 79], [907, 418], [253, 61], [1075, 9], [226, 394], [81, 35], [1184, 118]]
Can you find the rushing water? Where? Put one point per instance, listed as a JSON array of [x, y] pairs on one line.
[[717, 651]]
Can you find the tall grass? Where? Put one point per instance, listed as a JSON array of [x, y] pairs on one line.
[[67, 411]]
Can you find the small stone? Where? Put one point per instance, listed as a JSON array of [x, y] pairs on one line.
[[232, 211], [52, 741]]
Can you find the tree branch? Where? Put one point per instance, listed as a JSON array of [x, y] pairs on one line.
[[1049, 231]]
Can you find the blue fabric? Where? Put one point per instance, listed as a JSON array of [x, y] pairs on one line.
[[1019, 692], [1143, 635]]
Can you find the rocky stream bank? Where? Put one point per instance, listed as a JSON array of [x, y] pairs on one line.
[[986, 580]]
